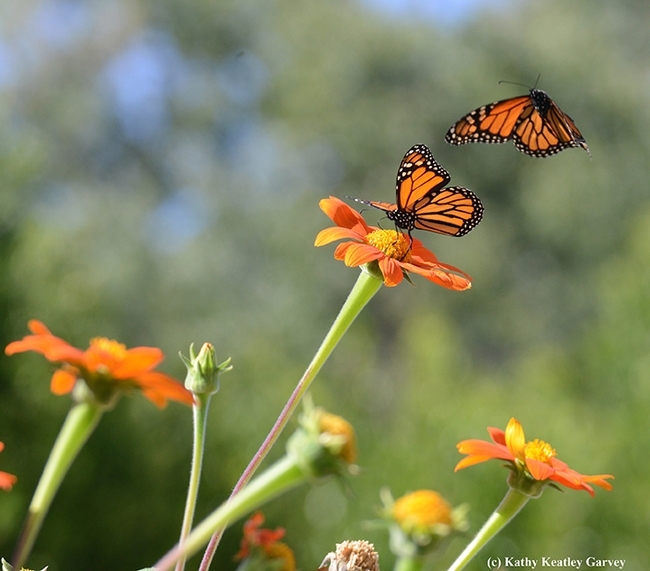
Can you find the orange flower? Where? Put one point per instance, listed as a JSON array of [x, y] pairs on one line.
[[107, 367], [6, 480], [531, 462], [395, 253], [422, 511], [258, 539]]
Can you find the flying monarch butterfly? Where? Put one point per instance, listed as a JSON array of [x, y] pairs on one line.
[[534, 122], [423, 203]]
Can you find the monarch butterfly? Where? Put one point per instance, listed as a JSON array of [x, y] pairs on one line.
[[538, 127], [423, 203]]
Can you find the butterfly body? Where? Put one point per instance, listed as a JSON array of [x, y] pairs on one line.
[[424, 203], [534, 122]]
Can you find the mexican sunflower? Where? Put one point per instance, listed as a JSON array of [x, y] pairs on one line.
[[264, 543], [534, 464], [396, 253], [6, 480], [107, 367]]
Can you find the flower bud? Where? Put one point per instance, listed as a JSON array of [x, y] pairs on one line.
[[202, 370]]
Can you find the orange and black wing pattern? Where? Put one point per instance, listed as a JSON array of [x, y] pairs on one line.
[[534, 122], [424, 203]]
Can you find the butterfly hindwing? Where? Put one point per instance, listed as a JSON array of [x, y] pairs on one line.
[[455, 210]]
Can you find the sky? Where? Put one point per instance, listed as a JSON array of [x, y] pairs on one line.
[[447, 12]]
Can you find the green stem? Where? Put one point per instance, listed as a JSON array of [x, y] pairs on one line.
[[78, 426], [366, 286], [280, 477], [508, 509], [200, 409], [414, 563]]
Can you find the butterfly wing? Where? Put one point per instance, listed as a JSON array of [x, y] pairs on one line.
[[422, 202], [493, 123], [419, 175], [453, 211], [546, 131], [537, 126]]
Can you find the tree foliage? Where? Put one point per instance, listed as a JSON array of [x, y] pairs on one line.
[[160, 168]]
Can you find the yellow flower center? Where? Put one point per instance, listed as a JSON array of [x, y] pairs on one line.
[[539, 450], [392, 243], [103, 354], [421, 510]]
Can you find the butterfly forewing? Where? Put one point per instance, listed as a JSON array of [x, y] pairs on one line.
[[419, 174]]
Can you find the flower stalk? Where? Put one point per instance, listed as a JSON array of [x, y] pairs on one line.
[[77, 428], [509, 507], [366, 286], [200, 414], [203, 381]]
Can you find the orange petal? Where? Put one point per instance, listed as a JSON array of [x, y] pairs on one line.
[[137, 361], [38, 327], [329, 235], [159, 388], [539, 470], [418, 250], [475, 447], [497, 435], [63, 381], [392, 270], [7, 481], [440, 277], [471, 461], [570, 481], [599, 480], [51, 347], [342, 214], [454, 269], [357, 254]]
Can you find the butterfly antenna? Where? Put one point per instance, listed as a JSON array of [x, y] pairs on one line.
[[523, 84]]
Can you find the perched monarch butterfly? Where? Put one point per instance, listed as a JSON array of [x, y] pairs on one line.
[[423, 203], [538, 127]]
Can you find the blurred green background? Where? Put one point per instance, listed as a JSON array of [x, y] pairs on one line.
[[160, 169]]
